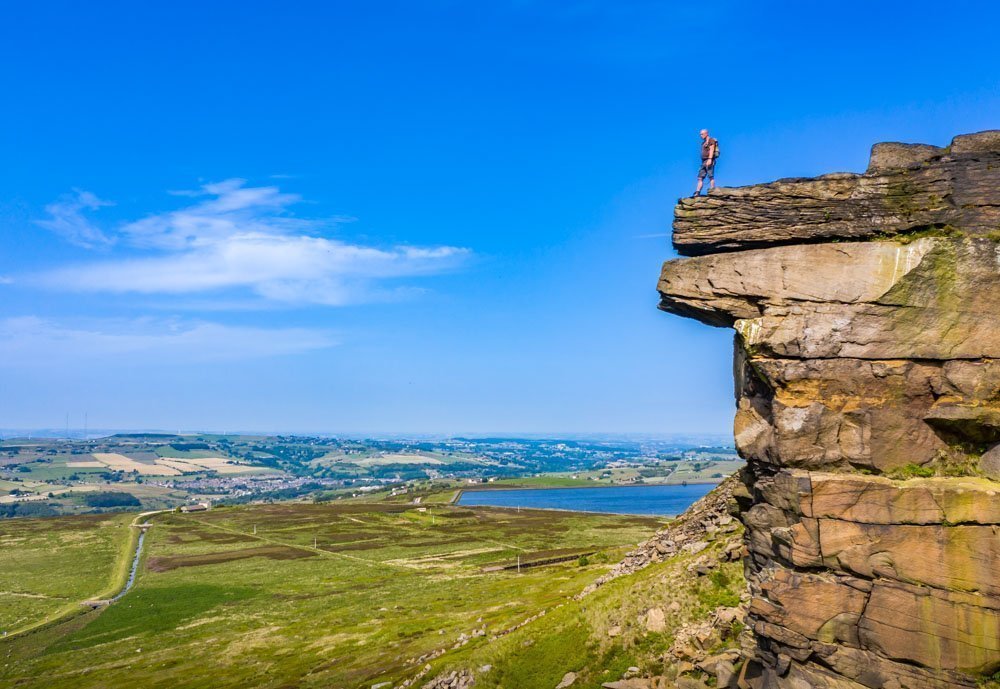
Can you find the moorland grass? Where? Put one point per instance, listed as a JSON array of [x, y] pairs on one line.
[[51, 565], [378, 586], [151, 610], [601, 635]]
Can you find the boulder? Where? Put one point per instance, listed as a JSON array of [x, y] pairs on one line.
[[655, 620], [889, 155], [632, 683], [989, 463], [690, 683], [725, 675], [567, 681], [980, 142]]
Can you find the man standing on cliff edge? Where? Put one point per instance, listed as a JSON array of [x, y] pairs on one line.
[[709, 152]]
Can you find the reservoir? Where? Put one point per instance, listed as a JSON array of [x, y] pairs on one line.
[[661, 501]]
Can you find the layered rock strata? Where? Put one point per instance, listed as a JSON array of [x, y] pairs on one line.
[[906, 187], [867, 366]]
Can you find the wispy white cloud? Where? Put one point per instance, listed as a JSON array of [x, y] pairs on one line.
[[277, 268], [66, 219], [227, 209], [243, 238], [30, 340]]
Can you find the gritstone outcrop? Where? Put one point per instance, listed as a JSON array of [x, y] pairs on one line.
[[867, 366]]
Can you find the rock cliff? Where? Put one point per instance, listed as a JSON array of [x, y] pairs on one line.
[[867, 365]]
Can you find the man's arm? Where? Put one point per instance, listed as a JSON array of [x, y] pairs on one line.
[[712, 151]]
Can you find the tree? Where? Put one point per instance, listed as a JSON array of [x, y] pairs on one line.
[[111, 499]]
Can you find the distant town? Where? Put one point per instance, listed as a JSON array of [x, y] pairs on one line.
[[48, 476]]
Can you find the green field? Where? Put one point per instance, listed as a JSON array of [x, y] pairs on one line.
[[168, 451], [50, 565], [56, 470], [328, 595]]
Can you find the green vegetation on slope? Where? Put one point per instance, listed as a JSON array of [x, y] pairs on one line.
[[51, 565], [344, 594], [603, 634]]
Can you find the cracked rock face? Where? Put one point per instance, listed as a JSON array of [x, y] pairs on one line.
[[867, 367]]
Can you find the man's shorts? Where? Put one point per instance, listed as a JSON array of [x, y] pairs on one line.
[[706, 169]]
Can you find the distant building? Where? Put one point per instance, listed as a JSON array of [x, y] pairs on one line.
[[197, 507]]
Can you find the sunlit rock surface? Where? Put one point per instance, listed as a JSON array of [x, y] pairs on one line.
[[867, 366], [907, 188]]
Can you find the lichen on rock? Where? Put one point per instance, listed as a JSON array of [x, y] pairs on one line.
[[867, 366]]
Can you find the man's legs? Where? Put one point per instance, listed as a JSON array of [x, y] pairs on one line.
[[701, 179]]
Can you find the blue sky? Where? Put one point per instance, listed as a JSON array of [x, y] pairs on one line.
[[411, 217]]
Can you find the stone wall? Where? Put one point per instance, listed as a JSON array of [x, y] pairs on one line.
[[867, 365]]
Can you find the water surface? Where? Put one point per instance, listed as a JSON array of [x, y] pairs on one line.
[[135, 566], [663, 501]]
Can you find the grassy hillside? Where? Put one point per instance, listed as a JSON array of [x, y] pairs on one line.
[[50, 565], [323, 595], [653, 621], [602, 635]]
